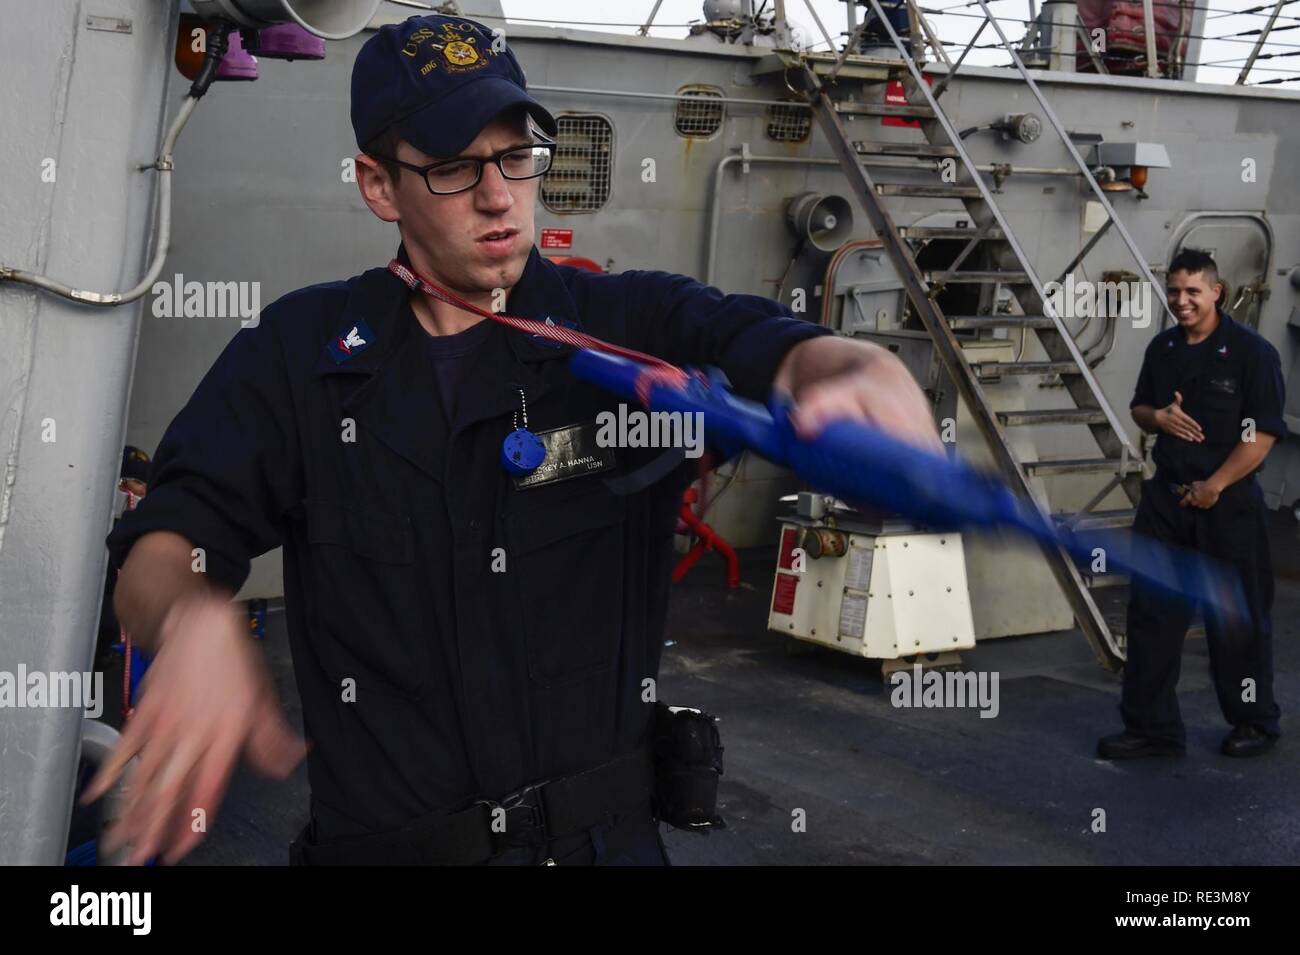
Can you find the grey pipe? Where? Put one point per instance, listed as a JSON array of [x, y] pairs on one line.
[[638, 94], [744, 156], [164, 166], [926, 165]]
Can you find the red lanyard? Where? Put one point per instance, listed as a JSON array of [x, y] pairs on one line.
[[656, 371]]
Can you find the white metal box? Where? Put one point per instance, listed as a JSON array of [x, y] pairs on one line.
[[886, 597]]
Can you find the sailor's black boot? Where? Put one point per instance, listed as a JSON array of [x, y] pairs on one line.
[[1128, 745], [1247, 740]]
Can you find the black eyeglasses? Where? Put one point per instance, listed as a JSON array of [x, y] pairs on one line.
[[450, 176]]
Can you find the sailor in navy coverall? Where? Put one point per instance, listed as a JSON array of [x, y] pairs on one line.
[[1214, 390], [458, 633]]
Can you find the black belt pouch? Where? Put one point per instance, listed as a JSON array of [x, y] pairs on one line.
[[687, 763]]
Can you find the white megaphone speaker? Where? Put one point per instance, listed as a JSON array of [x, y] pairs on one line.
[[327, 19], [826, 222]]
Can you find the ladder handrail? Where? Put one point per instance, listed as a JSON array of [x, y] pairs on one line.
[[1259, 44], [1067, 340], [1100, 193]]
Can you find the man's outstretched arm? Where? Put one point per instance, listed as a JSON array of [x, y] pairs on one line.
[[761, 344], [158, 574], [207, 698], [221, 480]]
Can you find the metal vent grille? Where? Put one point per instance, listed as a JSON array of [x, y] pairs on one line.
[[699, 111], [788, 123], [579, 177]]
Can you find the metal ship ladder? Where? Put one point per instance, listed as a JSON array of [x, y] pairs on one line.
[[1119, 462]]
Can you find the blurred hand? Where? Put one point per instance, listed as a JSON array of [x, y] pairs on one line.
[[837, 378], [206, 698], [1202, 494]]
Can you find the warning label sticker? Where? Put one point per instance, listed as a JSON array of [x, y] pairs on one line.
[[853, 616], [783, 596]]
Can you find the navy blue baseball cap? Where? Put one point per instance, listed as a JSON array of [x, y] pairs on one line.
[[135, 465], [438, 80]]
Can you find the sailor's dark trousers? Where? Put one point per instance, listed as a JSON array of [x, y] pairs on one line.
[[1241, 656]]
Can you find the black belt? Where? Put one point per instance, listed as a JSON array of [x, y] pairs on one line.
[[533, 816]]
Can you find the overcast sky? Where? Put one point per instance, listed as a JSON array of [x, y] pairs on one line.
[[957, 25]]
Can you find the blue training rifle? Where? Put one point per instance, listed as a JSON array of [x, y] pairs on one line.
[[863, 466]]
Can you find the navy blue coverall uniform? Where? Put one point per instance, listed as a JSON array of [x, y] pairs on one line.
[[1227, 381], [468, 682]]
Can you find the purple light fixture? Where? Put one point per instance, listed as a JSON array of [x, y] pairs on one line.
[[238, 63], [289, 41]]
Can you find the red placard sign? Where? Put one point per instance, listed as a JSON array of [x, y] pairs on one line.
[[894, 96], [786, 558], [783, 596], [557, 239]]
